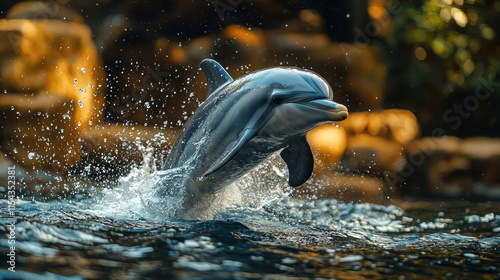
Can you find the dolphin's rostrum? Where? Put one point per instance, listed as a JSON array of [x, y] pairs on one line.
[[244, 121]]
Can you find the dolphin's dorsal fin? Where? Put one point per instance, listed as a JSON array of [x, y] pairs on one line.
[[231, 151], [216, 75], [299, 159]]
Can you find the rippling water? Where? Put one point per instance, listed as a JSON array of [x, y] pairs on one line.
[[254, 230]]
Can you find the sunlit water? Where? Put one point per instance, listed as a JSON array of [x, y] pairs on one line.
[[252, 230]]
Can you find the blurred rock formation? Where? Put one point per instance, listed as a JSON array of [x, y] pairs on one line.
[[53, 81], [355, 158], [52, 56], [328, 143], [450, 167], [38, 132]]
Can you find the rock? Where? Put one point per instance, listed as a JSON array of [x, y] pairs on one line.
[[480, 148], [375, 143], [38, 10], [368, 154], [367, 143], [492, 176], [110, 150], [39, 132], [347, 188], [451, 167], [55, 84], [56, 57], [396, 125], [328, 143]]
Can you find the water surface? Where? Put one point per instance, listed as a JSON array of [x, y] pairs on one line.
[[255, 230]]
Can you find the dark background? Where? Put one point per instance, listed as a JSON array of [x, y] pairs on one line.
[[126, 32]]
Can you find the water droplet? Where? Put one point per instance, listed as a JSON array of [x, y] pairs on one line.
[[31, 155], [80, 103], [83, 70]]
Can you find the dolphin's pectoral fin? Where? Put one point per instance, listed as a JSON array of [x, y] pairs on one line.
[[231, 151], [299, 159], [216, 75]]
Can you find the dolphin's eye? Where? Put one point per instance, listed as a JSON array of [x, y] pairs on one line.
[[277, 100]]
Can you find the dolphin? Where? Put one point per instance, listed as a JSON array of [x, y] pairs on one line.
[[244, 121]]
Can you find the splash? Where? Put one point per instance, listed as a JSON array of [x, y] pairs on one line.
[[137, 196], [265, 183]]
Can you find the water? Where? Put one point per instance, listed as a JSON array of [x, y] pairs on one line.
[[253, 230]]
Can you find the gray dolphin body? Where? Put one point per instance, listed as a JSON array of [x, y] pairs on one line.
[[244, 121]]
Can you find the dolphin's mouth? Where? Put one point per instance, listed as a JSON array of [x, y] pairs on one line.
[[338, 112]]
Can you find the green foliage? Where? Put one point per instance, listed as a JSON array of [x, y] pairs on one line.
[[439, 46]]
